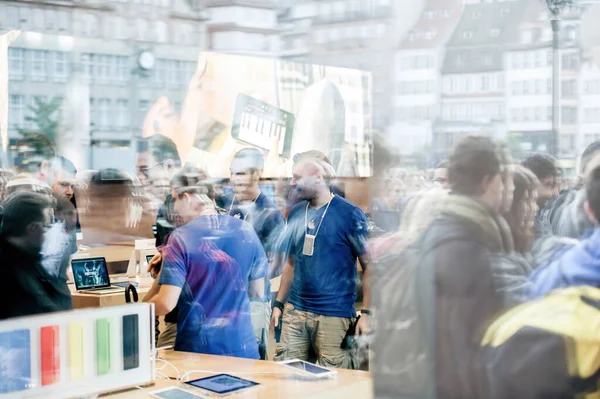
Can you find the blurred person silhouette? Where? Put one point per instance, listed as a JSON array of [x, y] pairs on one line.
[[567, 213], [325, 237], [30, 289], [523, 209], [247, 202], [579, 264], [544, 168], [440, 175], [213, 265], [428, 344], [60, 175], [116, 210], [386, 209], [60, 240], [166, 222], [5, 177]]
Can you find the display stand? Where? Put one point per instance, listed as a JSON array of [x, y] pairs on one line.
[[77, 353]]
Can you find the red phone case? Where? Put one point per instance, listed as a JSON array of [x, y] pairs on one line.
[[49, 348]]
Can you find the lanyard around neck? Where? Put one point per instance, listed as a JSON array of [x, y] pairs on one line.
[[322, 217], [233, 200]]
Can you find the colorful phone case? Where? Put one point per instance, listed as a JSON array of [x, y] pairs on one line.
[[131, 344], [15, 356], [49, 349], [76, 351], [103, 346]]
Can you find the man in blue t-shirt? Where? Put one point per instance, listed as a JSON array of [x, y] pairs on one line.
[[325, 236], [214, 264], [248, 203]]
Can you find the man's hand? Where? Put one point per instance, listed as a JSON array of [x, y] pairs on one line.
[[154, 265], [363, 327], [275, 316]]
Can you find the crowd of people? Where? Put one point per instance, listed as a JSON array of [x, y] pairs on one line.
[[220, 244], [438, 257], [501, 236]]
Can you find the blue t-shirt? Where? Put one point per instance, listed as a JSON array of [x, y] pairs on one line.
[[263, 215], [325, 282], [268, 223], [213, 259]]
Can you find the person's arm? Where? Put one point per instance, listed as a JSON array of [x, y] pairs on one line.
[[287, 277], [166, 299], [152, 292], [364, 324], [256, 289]]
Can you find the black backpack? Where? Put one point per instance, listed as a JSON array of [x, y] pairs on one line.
[[404, 345]]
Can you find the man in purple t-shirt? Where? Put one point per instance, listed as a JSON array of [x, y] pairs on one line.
[[214, 264]]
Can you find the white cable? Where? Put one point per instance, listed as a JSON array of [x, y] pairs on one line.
[[163, 375], [167, 363]]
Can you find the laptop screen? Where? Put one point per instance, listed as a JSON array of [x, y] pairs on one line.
[[90, 273]]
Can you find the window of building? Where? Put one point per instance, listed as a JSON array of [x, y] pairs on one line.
[[121, 69], [429, 14], [484, 83], [494, 32], [87, 60], [37, 17], [467, 34], [104, 113], [60, 66], [504, 12], [476, 14], [25, 22], [11, 18], [143, 106], [122, 114], [37, 65], [158, 74], [569, 88], [104, 67], [592, 115], [16, 111], [174, 73], [592, 87], [89, 25], [569, 115], [63, 22], [51, 20], [570, 61], [16, 63]]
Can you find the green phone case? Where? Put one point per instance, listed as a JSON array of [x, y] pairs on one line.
[[103, 346]]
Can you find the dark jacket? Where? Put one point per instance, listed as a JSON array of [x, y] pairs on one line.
[[27, 288], [460, 246]]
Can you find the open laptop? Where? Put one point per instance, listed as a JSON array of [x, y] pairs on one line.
[[91, 276]]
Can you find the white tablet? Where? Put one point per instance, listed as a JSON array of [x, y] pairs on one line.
[[174, 393], [309, 369]]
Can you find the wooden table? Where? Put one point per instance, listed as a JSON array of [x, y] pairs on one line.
[[276, 381], [81, 300]]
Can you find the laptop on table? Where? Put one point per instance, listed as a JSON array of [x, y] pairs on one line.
[[91, 276]]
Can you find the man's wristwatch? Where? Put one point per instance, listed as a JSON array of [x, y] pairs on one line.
[[278, 305], [366, 311]]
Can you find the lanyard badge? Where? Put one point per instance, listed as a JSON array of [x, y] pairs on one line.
[[308, 248]]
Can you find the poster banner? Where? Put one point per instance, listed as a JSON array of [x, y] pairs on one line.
[[280, 107]]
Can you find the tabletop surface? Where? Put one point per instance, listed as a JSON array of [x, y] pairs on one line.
[[276, 381]]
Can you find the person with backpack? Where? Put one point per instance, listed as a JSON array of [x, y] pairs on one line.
[[430, 320], [578, 264]]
